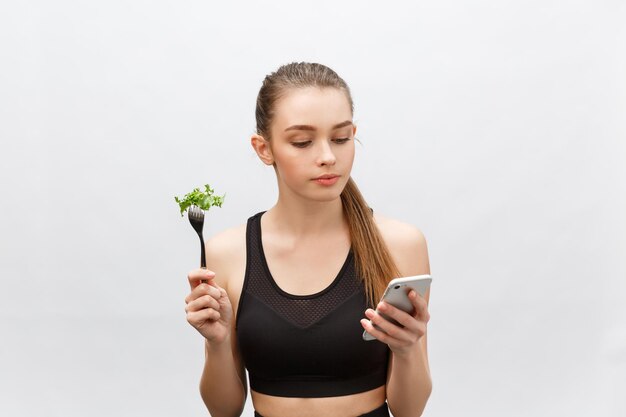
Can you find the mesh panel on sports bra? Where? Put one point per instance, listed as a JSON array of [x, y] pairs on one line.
[[302, 311]]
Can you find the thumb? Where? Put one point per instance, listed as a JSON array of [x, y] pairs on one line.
[[200, 276]]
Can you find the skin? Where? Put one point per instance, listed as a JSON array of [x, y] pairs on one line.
[[306, 214]]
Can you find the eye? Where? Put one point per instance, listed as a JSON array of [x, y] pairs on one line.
[[301, 144], [341, 140]]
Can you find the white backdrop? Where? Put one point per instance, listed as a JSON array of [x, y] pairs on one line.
[[497, 127]]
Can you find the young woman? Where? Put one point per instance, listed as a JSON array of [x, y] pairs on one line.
[[289, 293]]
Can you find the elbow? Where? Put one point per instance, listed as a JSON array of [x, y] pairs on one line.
[[427, 390], [225, 411], [224, 407]]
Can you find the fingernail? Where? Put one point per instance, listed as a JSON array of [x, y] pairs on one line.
[[381, 306]]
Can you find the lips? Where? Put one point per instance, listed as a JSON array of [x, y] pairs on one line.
[[327, 179]]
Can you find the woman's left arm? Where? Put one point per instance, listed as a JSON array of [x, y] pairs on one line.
[[408, 382]]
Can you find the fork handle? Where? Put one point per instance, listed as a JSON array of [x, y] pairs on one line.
[[202, 258], [202, 254]]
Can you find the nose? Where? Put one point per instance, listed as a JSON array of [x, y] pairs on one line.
[[325, 156]]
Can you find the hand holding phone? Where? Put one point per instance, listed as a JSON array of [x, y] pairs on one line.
[[397, 292]]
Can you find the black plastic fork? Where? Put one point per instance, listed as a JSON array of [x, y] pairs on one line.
[[196, 218]]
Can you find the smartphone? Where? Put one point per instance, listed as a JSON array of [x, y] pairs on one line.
[[397, 294]]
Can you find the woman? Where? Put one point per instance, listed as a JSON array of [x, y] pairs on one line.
[[289, 294]]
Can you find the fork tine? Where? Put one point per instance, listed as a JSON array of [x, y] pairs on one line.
[[196, 213]]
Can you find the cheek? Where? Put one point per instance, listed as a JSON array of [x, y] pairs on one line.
[[347, 154], [290, 169], [289, 164]]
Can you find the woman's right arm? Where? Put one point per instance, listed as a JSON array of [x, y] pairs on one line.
[[209, 310]]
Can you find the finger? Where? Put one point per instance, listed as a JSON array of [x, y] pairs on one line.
[[402, 317], [204, 289], [378, 334], [200, 275], [392, 330], [204, 302], [196, 276], [199, 318], [391, 334], [421, 306], [412, 326], [223, 293], [201, 290]]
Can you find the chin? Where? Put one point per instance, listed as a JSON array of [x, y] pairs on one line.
[[328, 199], [327, 195]]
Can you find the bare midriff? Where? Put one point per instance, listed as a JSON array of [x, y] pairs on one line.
[[344, 406]]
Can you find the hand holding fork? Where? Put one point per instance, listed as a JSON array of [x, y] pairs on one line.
[[210, 316]]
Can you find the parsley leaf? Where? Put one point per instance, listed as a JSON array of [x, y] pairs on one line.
[[205, 200]]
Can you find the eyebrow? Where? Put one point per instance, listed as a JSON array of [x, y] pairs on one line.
[[309, 127]]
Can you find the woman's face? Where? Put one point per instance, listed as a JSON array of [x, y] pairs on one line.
[[312, 142]]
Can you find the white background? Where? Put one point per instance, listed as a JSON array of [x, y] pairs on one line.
[[497, 127]]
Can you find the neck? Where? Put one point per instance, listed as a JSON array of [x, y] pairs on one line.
[[299, 218]]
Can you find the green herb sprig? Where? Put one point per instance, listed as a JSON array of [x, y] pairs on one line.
[[205, 200]]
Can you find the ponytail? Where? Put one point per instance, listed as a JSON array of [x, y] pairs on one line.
[[372, 258]]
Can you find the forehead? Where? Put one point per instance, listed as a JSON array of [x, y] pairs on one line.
[[319, 107]]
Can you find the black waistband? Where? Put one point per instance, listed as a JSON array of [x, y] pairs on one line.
[[382, 411]]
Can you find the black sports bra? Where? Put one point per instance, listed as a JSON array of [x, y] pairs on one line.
[[305, 346]]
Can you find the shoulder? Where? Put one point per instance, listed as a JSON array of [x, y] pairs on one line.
[[406, 243], [226, 253], [227, 241]]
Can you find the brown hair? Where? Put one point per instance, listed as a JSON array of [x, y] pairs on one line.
[[372, 257]]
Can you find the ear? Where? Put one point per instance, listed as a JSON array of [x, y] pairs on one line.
[[262, 149]]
